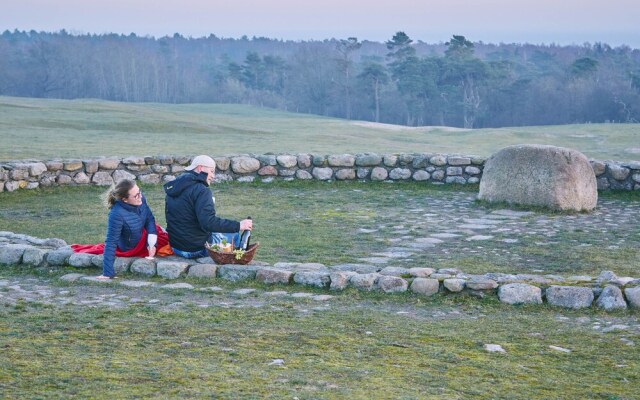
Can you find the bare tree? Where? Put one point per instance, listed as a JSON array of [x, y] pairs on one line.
[[345, 48]]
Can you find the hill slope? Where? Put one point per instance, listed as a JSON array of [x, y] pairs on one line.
[[46, 128]]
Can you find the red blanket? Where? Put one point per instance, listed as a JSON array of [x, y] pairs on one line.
[[139, 251]]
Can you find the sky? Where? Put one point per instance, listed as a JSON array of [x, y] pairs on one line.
[[563, 22]]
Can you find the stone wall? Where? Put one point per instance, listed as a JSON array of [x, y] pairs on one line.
[[606, 291], [432, 168]]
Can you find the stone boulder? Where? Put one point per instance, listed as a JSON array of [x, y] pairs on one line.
[[364, 281], [611, 298], [520, 293], [537, 175], [392, 284], [236, 273], [273, 275], [171, 269], [12, 253], [340, 279], [59, 256], [80, 260], [143, 266], [34, 257], [203, 271], [312, 278], [633, 296], [244, 165], [569, 296], [425, 286]]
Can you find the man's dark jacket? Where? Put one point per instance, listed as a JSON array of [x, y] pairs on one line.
[[191, 214]]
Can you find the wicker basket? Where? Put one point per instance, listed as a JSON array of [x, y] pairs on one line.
[[230, 258]]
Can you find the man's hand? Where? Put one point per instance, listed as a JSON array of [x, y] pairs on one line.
[[152, 251], [246, 224]]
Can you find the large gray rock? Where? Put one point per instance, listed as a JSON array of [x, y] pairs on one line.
[[34, 257], [172, 269], [392, 284], [312, 278], [59, 256], [611, 298], [368, 160], [537, 175], [569, 296], [364, 281], [340, 279], [122, 264], [287, 160], [425, 286], [345, 174], [97, 260], [102, 178], [203, 271], [244, 165], [480, 283], [454, 284], [322, 174], [341, 160], [400, 173], [633, 296], [11, 254], [143, 266], [273, 275], [394, 271], [81, 260], [520, 293], [379, 174], [304, 175], [235, 273]]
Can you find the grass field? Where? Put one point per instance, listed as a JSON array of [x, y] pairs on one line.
[[45, 129], [323, 222], [360, 345]]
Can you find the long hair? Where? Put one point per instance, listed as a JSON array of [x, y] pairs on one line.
[[117, 192]]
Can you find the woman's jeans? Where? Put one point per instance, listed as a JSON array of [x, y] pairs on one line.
[[215, 238]]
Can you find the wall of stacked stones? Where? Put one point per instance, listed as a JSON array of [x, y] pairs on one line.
[[606, 291], [433, 168]]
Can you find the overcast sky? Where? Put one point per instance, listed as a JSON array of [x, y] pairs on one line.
[[614, 22]]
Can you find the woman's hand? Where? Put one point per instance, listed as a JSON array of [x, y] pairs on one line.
[[152, 251]]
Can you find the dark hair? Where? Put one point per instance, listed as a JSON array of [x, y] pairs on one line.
[[117, 192]]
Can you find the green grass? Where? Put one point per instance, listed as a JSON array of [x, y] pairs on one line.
[[359, 348], [46, 129], [321, 222]]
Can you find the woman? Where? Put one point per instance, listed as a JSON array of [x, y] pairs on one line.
[[131, 228], [129, 219]]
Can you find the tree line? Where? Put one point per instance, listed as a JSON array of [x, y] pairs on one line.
[[457, 83]]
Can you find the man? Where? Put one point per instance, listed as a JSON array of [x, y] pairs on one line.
[[191, 213]]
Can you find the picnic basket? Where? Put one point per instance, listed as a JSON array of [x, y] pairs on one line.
[[230, 258]]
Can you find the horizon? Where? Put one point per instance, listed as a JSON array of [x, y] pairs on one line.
[[257, 37], [538, 22]]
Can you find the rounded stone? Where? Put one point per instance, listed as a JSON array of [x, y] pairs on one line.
[[244, 165], [379, 174], [538, 175], [425, 286], [520, 293]]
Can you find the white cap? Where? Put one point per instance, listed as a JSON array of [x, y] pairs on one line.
[[205, 161]]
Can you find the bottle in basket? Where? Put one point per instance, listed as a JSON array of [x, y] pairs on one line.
[[245, 236]]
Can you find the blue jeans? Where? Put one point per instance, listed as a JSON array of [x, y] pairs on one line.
[[214, 238]]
